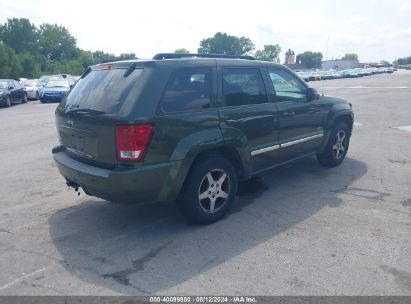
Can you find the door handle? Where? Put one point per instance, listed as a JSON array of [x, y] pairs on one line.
[[287, 114]]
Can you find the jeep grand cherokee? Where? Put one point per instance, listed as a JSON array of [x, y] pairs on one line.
[[187, 128]]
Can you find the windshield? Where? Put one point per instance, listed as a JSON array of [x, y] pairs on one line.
[[3, 84], [58, 84], [30, 83], [102, 90]]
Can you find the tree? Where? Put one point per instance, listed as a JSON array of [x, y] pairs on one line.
[[350, 56], [403, 61], [26, 51], [222, 43], [269, 53], [182, 51], [126, 56], [310, 60], [29, 65], [10, 66], [20, 35], [72, 67], [56, 42], [86, 59]]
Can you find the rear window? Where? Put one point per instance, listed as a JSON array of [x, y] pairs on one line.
[[102, 90]]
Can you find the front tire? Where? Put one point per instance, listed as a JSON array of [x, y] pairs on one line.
[[337, 146], [209, 191], [8, 101]]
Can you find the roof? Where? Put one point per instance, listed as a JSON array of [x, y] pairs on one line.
[[190, 60]]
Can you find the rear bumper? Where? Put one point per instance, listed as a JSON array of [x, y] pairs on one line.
[[148, 183], [31, 94]]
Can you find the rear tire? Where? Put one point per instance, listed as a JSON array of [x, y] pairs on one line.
[[337, 146], [24, 98], [209, 191]]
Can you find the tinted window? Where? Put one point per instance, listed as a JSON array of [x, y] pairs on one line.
[[286, 86], [243, 87], [102, 90], [188, 89]]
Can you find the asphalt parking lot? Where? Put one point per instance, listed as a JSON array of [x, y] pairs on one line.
[[301, 230]]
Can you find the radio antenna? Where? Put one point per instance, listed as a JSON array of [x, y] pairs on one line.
[[326, 57]]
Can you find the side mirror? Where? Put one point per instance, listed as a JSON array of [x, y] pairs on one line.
[[11, 88], [312, 94]]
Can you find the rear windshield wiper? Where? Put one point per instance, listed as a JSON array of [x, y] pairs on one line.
[[86, 111]]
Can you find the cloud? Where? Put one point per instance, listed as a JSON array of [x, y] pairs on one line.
[[353, 20], [148, 27], [406, 32], [405, 7], [387, 28]]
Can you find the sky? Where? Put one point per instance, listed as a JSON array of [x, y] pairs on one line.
[[374, 29]]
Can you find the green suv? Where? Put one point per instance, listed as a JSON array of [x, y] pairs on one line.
[[188, 128]]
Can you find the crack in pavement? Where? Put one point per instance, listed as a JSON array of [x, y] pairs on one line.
[[123, 277]]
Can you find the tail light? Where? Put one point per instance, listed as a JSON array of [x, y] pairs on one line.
[[132, 141]]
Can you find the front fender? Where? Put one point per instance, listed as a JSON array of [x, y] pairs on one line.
[[336, 113]]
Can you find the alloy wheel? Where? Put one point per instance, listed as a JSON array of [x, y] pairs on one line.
[[214, 190], [340, 145]]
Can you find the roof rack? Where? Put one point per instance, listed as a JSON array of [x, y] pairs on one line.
[[161, 56]]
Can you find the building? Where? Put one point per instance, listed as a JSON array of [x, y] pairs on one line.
[[339, 64], [289, 57]]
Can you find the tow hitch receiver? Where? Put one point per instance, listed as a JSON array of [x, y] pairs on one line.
[[74, 185]]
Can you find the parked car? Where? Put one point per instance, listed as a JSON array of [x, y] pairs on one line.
[[188, 129], [45, 78], [55, 90], [11, 92], [304, 75], [32, 88]]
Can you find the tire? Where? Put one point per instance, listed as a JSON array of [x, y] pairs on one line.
[[337, 146], [24, 99], [209, 191], [37, 96], [8, 101]]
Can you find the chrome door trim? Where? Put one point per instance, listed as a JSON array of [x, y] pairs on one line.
[[263, 150], [301, 140], [286, 144]]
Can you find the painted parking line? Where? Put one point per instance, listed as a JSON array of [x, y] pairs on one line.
[[403, 128], [22, 278], [366, 87], [358, 124]]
